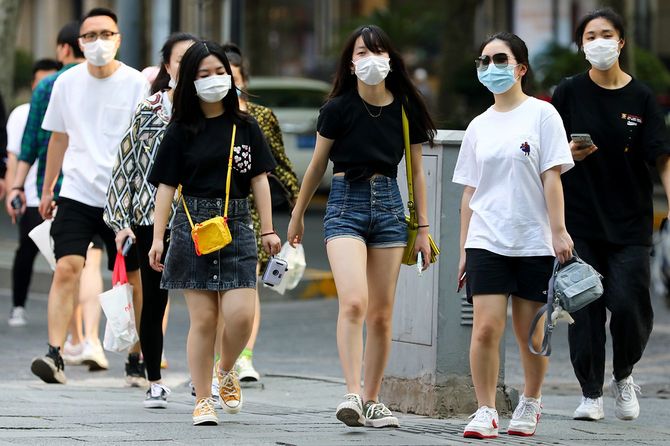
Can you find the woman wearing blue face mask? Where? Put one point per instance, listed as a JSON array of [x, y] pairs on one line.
[[512, 225], [360, 130], [609, 210]]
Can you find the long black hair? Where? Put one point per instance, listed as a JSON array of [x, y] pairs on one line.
[[234, 55], [162, 80], [398, 81], [187, 109], [520, 52]]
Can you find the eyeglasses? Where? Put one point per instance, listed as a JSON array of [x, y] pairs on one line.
[[500, 60], [92, 37]]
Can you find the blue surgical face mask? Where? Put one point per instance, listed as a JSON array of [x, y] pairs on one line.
[[497, 80]]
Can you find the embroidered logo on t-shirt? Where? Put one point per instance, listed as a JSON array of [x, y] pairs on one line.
[[632, 120], [242, 158], [525, 148]]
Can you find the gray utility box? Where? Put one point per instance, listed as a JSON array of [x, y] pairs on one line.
[[429, 371]]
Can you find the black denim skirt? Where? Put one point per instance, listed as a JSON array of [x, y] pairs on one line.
[[232, 267]]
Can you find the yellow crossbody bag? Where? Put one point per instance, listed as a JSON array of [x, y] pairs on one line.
[[213, 234], [408, 257]]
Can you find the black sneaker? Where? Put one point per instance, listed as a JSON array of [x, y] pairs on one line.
[[50, 368], [135, 376]]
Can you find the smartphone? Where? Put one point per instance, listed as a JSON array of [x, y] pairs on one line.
[[127, 243], [461, 282], [583, 140]]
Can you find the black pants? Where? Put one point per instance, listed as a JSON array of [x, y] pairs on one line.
[[154, 301], [22, 270], [626, 282]]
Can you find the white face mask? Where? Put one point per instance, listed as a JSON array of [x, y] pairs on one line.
[[372, 70], [100, 52], [213, 88], [602, 54]]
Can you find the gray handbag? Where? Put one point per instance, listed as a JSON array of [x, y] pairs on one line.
[[573, 285]]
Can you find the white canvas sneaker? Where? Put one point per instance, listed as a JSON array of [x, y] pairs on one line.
[[590, 409], [525, 417], [17, 318], [484, 424], [350, 411], [627, 407]]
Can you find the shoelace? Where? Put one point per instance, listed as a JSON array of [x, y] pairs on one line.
[[525, 410], [157, 389], [230, 386], [205, 405], [483, 414], [627, 390], [377, 409]]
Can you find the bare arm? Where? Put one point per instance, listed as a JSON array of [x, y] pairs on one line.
[[9, 180], [466, 215], [663, 166], [55, 153], [261, 190], [315, 170], [553, 196], [419, 182], [164, 196]]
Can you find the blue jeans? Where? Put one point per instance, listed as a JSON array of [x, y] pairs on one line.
[[370, 210]]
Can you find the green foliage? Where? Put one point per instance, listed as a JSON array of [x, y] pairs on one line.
[[23, 69], [555, 63], [650, 70]]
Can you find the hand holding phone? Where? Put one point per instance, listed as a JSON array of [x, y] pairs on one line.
[[461, 282], [127, 244], [419, 263], [583, 140]]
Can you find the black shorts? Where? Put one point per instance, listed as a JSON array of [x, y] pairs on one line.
[[76, 226], [491, 273]]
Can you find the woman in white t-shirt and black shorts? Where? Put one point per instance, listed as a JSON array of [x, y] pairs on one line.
[[512, 225]]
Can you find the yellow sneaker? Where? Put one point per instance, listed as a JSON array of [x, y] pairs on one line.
[[230, 393], [204, 413]]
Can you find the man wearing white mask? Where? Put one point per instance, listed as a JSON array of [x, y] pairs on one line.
[[617, 131], [90, 108]]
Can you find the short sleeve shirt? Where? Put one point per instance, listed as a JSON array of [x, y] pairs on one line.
[[503, 156], [199, 162]]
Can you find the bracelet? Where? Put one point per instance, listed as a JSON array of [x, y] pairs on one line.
[[268, 233], [18, 188], [423, 226]]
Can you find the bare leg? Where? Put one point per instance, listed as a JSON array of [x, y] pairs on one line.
[[237, 307], [534, 366], [61, 297], [382, 277], [348, 261], [89, 289], [490, 316], [203, 309], [135, 280]]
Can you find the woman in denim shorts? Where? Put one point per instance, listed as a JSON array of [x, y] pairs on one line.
[[360, 130], [194, 153], [512, 225]]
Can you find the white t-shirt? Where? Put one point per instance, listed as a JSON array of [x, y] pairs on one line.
[[16, 124], [503, 156], [95, 114]]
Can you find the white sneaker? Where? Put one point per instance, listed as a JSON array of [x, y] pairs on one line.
[[484, 424], [525, 417], [350, 411], [590, 409], [156, 396], [627, 407], [94, 357], [72, 353], [245, 369], [17, 318]]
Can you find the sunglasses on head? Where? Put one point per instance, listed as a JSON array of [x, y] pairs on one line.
[[500, 60]]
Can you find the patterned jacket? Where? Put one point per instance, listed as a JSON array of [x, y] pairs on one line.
[[130, 197]]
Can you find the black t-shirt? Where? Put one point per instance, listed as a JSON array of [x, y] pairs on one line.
[[608, 195], [200, 162], [365, 145]]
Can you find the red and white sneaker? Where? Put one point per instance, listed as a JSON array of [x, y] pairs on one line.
[[484, 424], [525, 417]]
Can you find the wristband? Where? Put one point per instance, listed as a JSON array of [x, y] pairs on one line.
[[268, 233], [18, 188], [423, 226]]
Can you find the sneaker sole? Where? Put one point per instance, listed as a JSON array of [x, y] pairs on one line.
[[44, 372], [155, 404], [136, 381], [94, 366], [627, 417], [381, 423], [475, 434], [520, 433], [350, 417], [206, 420], [249, 379], [228, 409], [587, 418]]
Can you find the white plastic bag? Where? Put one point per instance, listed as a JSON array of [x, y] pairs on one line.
[[295, 257], [117, 304], [41, 235]]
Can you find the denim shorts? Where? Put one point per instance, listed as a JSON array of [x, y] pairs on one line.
[[369, 210], [232, 267]]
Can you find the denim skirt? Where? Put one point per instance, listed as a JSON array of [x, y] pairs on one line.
[[229, 268], [368, 210]]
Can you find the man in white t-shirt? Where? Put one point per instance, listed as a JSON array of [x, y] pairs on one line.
[[22, 269], [90, 109]]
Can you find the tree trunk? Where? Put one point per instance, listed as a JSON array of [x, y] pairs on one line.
[[9, 17]]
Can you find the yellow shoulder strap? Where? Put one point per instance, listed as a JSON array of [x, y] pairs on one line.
[[413, 220]]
